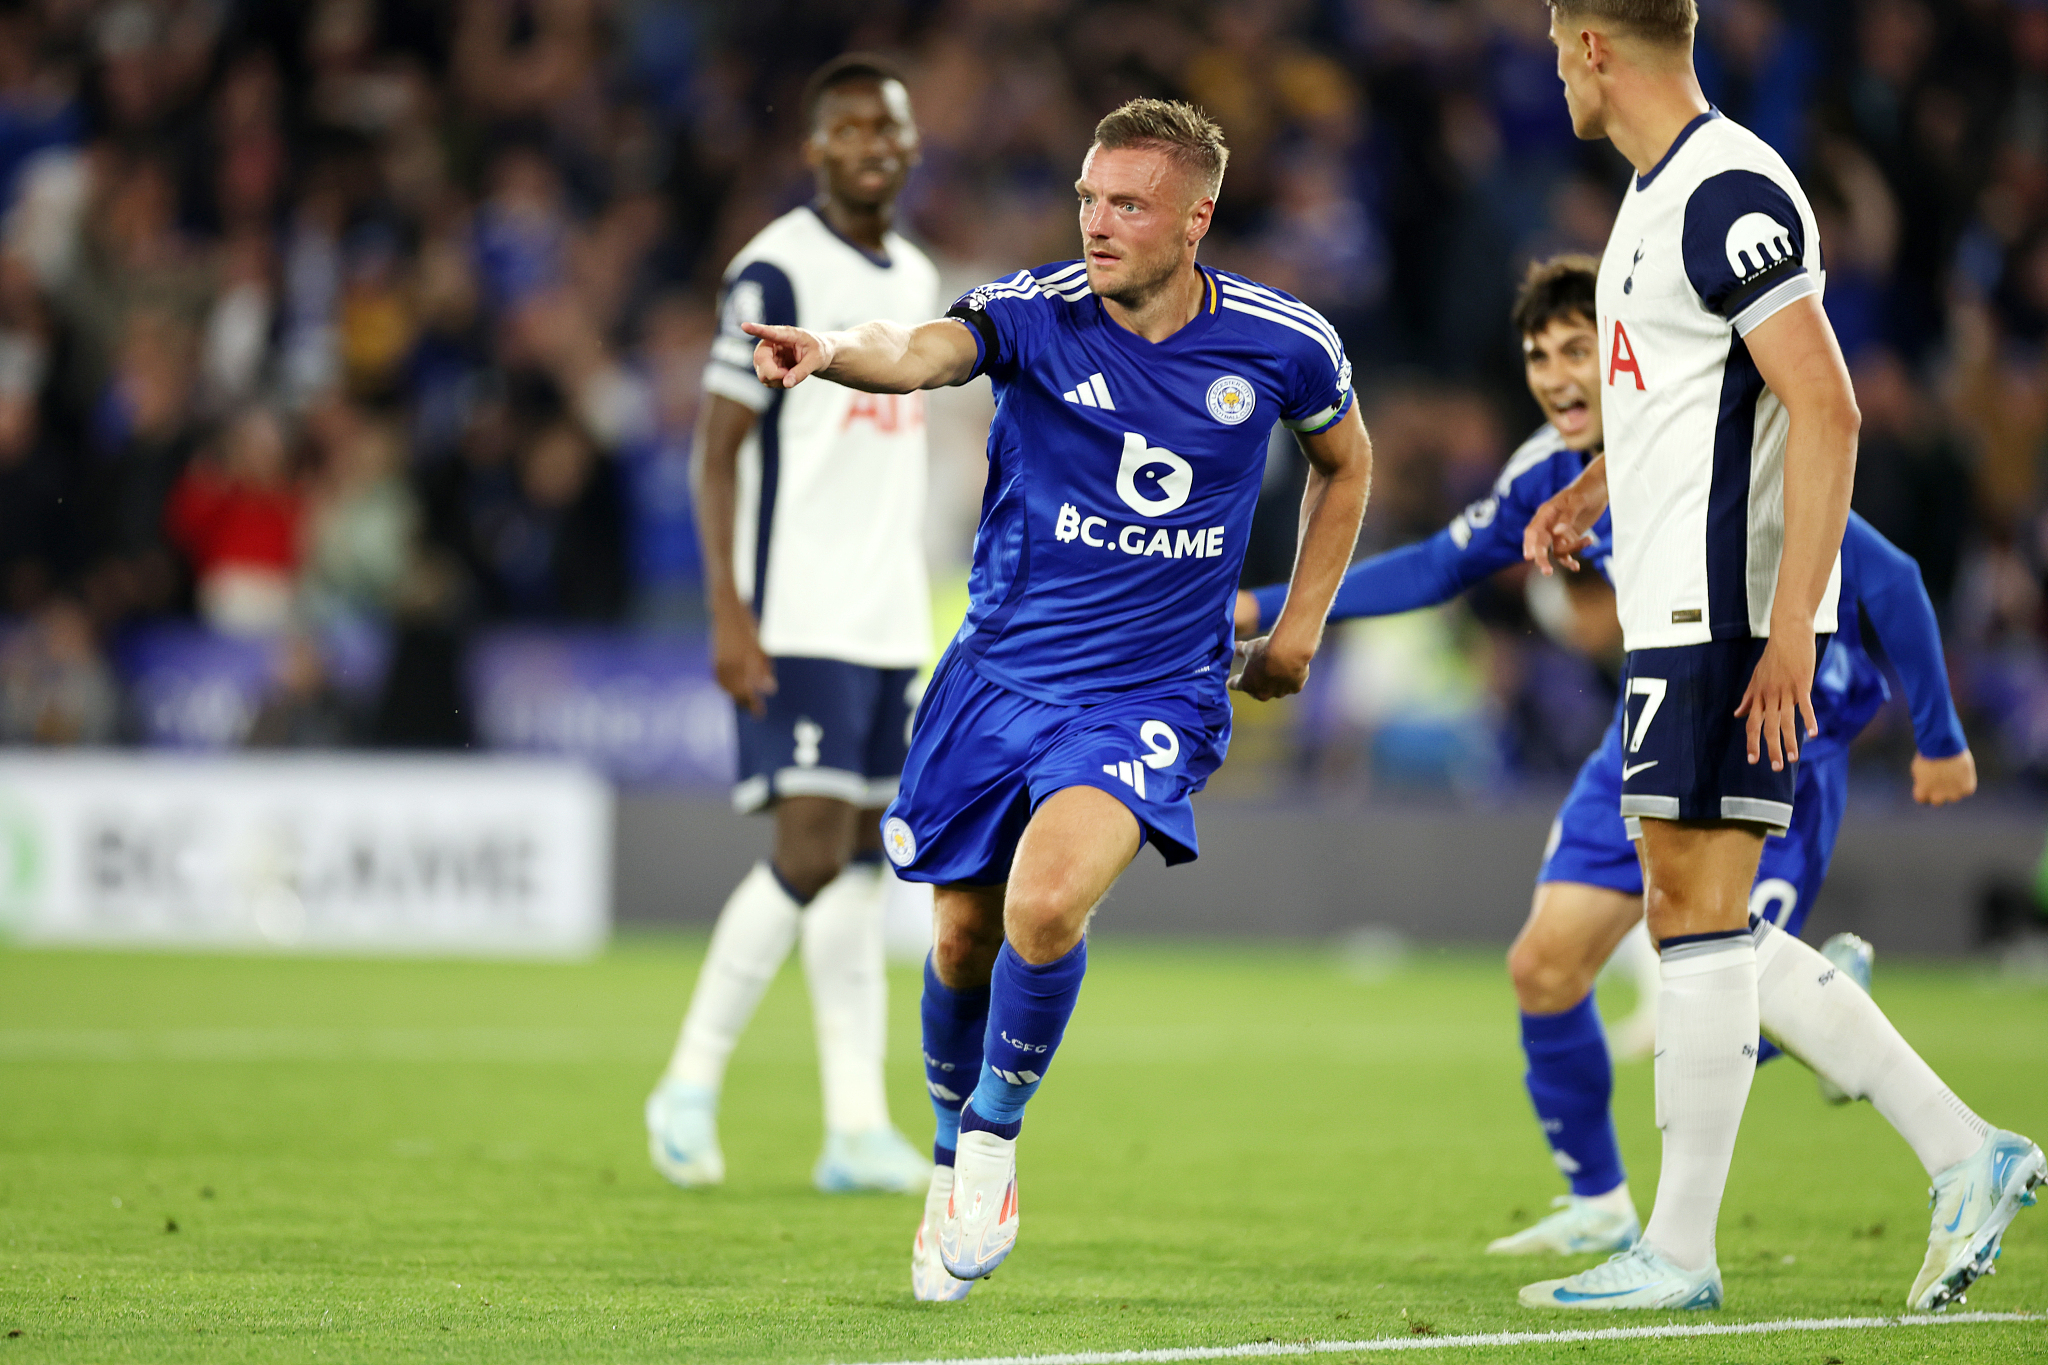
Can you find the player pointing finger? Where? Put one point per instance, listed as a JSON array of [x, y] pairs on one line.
[[1083, 702], [786, 356]]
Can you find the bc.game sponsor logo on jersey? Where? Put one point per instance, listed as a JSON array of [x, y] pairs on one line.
[[1175, 483], [1174, 478]]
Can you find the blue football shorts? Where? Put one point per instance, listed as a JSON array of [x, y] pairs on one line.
[[1591, 843], [1684, 751], [983, 757], [831, 728]]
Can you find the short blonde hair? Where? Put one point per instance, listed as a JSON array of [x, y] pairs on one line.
[[1669, 22], [1190, 137]]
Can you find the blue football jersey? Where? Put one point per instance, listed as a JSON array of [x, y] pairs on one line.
[[1480, 541], [1123, 473]]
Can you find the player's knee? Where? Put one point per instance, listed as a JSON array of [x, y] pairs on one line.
[[1544, 982], [813, 842], [1670, 910], [964, 953], [1043, 924], [807, 869]]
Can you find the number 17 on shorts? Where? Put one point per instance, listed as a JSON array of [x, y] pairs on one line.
[[1685, 754]]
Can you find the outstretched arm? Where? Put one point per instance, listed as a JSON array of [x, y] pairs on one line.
[[1340, 475], [1425, 574], [1480, 541], [1418, 575], [1797, 356], [878, 357], [1890, 590]]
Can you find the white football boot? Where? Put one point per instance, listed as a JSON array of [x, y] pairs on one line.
[[1580, 1227], [980, 1223], [880, 1159], [929, 1281], [1852, 957], [682, 1134], [1636, 1278], [1974, 1201]]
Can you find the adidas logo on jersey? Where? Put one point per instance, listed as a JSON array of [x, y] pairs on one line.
[[1090, 393]]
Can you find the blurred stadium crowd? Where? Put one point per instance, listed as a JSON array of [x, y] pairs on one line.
[[342, 341]]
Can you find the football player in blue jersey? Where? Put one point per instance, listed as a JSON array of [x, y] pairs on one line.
[[1083, 701], [1589, 889]]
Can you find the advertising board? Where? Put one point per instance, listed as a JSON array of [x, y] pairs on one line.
[[483, 855]]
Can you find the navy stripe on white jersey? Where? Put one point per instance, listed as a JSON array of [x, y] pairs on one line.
[[1705, 247], [830, 483]]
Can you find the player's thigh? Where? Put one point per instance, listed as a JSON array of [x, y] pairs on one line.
[[1079, 841], [1571, 931], [814, 839], [1697, 875], [967, 932]]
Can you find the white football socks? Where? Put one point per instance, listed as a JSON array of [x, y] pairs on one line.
[[1823, 1018], [1706, 1059], [842, 951], [755, 931]]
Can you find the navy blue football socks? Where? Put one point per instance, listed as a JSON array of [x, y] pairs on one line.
[[955, 1022], [1027, 1016], [1571, 1083]]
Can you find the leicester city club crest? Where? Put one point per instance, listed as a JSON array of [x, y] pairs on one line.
[[1231, 400], [899, 842]]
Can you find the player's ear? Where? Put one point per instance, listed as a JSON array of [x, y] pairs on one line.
[[1199, 218], [1596, 50]]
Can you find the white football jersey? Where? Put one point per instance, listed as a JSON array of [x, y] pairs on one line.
[[1712, 241], [829, 540]]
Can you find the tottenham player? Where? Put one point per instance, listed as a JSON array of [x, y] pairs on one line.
[[1083, 701], [810, 506], [1589, 889], [1730, 449]]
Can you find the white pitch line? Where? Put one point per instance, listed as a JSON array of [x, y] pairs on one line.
[[1264, 1349]]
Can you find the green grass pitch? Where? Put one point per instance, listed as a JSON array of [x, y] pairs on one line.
[[250, 1159]]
